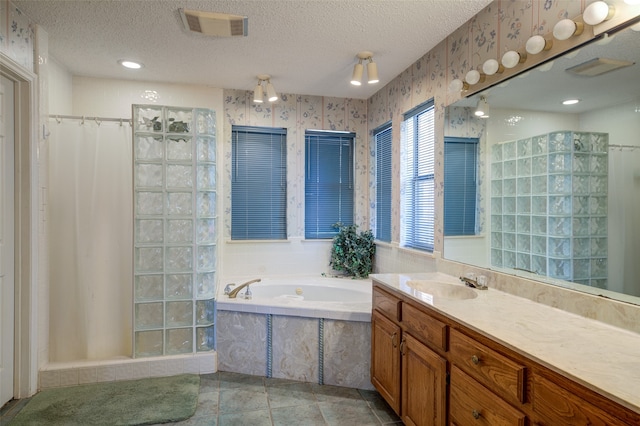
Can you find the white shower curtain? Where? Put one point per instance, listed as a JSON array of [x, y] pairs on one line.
[[624, 215], [90, 245]]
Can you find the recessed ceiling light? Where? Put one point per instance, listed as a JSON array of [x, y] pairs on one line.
[[130, 64], [570, 102]]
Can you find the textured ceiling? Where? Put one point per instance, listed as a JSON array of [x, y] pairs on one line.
[[308, 46]]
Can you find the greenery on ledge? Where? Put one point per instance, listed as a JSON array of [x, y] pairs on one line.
[[352, 252]]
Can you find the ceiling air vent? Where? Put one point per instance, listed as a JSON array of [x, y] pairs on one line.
[[214, 24], [597, 66]]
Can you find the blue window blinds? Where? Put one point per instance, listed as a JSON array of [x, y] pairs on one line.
[[328, 182], [460, 168], [382, 137], [258, 183], [417, 190]]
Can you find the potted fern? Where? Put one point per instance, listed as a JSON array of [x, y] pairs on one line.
[[352, 252]]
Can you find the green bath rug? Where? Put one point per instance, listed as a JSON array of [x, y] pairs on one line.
[[130, 402]]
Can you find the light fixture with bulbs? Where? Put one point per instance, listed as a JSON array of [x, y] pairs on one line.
[[358, 69], [482, 110], [258, 91], [598, 12], [570, 101]]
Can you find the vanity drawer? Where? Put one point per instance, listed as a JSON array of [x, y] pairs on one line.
[[471, 404], [556, 406], [424, 327], [386, 303], [490, 368]]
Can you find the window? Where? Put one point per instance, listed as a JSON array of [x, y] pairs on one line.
[[460, 165], [417, 178], [258, 183], [328, 191], [382, 138]]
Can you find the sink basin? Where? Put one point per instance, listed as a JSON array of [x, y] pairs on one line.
[[442, 290]]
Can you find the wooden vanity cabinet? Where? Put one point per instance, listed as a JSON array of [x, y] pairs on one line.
[[433, 370], [409, 376]]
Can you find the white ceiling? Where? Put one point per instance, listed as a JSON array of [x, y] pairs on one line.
[[307, 46]]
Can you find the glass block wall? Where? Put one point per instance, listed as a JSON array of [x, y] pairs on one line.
[[174, 230], [549, 206]]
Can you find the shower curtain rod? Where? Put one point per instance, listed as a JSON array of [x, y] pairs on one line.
[[98, 120]]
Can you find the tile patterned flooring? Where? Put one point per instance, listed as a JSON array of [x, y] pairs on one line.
[[228, 399]]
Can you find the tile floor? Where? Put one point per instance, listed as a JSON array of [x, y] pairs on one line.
[[236, 399]]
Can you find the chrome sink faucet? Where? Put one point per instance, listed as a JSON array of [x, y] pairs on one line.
[[234, 293], [479, 283]]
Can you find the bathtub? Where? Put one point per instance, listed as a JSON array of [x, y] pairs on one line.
[[304, 328], [304, 296]]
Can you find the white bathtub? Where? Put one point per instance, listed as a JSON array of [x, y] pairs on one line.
[[306, 296]]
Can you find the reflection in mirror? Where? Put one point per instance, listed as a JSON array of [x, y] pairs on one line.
[[554, 192]]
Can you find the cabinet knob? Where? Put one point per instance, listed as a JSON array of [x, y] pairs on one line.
[[475, 359], [475, 414]]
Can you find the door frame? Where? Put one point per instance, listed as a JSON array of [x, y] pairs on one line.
[[26, 306]]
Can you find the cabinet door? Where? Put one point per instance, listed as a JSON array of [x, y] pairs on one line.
[[424, 376], [385, 359]]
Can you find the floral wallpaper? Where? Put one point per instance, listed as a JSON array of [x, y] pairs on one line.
[[503, 25], [298, 113], [16, 35]]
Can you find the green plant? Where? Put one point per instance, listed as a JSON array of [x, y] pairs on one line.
[[352, 252]]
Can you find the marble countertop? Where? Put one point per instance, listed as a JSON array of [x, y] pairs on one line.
[[604, 358]]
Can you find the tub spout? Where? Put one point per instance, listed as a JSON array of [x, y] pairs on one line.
[[233, 293]]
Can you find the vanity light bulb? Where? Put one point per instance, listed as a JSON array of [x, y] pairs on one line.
[[474, 77], [491, 66], [511, 59], [457, 85], [537, 44], [598, 12], [566, 28]]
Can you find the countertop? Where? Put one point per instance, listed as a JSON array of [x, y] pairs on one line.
[[604, 358]]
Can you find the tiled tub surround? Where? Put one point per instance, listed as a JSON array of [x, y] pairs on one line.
[[325, 342], [601, 357]]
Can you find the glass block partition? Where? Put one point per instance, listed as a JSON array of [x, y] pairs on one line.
[[549, 206], [174, 230]]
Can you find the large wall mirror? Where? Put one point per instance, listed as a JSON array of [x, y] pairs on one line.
[[547, 190]]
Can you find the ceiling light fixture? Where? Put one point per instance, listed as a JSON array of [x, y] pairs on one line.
[[598, 12], [482, 110], [358, 69], [130, 64], [566, 29], [570, 102], [258, 91]]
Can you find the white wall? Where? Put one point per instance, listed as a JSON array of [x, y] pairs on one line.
[[60, 89]]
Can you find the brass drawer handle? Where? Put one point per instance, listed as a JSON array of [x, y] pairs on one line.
[[475, 414], [402, 346], [475, 359]]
